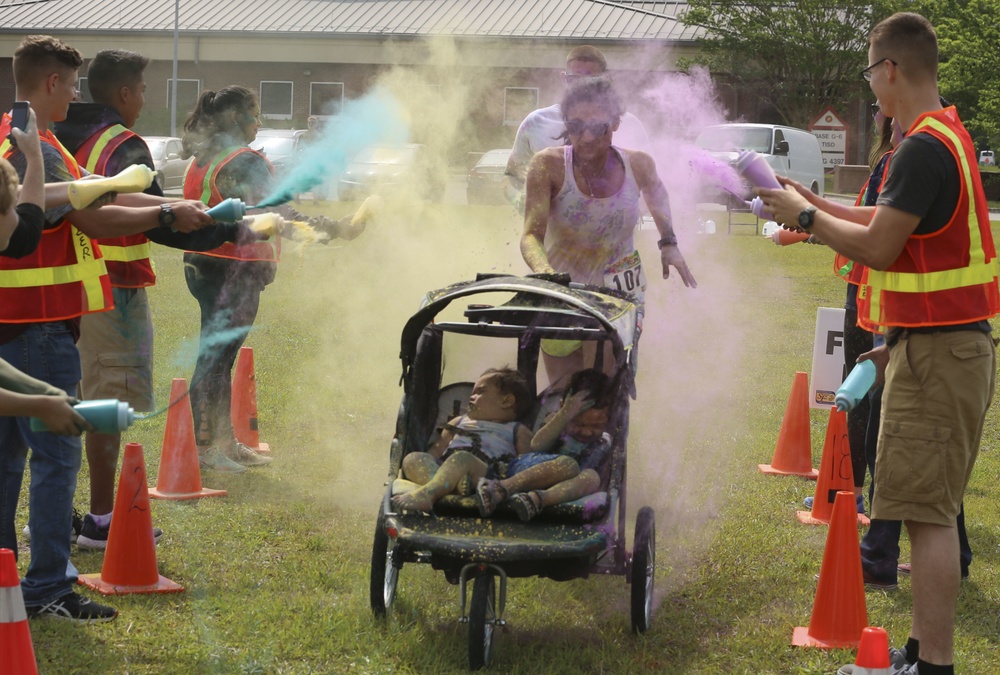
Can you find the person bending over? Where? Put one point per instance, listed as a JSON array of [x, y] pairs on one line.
[[478, 444]]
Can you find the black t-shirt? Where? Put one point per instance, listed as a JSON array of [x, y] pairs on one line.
[[923, 180]]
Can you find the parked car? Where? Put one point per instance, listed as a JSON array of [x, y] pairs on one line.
[[380, 168], [986, 158], [791, 152], [278, 145], [170, 168], [485, 183]]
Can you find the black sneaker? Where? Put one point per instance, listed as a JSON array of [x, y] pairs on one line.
[[93, 537], [73, 607], [74, 534]]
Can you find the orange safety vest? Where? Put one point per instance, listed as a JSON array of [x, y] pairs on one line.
[[64, 277], [127, 257], [844, 267], [199, 183], [947, 277]]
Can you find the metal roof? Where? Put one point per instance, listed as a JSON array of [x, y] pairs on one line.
[[564, 19]]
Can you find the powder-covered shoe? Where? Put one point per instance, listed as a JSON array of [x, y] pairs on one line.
[[213, 459]]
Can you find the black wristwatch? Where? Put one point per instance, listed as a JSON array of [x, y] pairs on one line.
[[806, 217], [167, 216]]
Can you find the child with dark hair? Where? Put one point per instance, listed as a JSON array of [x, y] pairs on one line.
[[479, 444], [567, 455]]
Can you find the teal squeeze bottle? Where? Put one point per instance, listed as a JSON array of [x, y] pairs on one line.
[[855, 386], [109, 416]]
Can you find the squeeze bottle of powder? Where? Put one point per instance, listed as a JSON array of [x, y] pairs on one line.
[[856, 386], [756, 170], [109, 415]]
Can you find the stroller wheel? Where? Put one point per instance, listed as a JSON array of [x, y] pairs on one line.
[[643, 569], [482, 621], [386, 563]]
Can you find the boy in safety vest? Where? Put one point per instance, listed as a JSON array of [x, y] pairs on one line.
[[116, 347], [43, 294], [931, 286]]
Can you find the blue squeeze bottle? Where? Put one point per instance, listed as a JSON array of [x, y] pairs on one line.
[[109, 415], [857, 384]]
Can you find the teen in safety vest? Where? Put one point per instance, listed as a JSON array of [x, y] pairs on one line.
[[127, 257], [947, 277], [200, 183], [65, 277]]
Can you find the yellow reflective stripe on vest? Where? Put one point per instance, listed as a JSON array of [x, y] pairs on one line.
[[4, 147], [126, 253], [978, 271], [88, 270], [102, 142]]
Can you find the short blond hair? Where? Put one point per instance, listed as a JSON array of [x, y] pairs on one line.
[[587, 54], [8, 186]]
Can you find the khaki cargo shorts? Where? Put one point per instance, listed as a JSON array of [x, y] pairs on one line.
[[116, 351], [938, 389]]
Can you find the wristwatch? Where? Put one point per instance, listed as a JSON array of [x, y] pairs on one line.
[[167, 216], [669, 240], [806, 217]]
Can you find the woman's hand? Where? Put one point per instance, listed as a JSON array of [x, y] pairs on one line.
[[671, 256], [785, 204]]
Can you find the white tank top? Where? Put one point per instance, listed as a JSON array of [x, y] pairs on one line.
[[586, 235]]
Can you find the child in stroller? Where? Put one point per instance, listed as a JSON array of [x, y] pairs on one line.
[[567, 455], [476, 445]]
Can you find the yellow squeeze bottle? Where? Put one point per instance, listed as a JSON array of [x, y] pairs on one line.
[[136, 178], [268, 224]]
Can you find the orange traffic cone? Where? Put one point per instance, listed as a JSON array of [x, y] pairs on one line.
[[243, 407], [180, 476], [18, 654], [839, 613], [130, 558], [793, 453], [873, 654], [836, 472]]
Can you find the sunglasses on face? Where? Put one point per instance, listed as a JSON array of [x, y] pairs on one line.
[[876, 109], [596, 129]]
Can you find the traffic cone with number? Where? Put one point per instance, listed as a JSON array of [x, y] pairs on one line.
[[180, 476], [243, 406], [16, 651], [130, 558], [873, 654], [793, 453], [839, 613], [836, 472]]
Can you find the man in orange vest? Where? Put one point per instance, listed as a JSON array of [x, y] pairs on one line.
[[931, 287], [43, 294], [116, 347]]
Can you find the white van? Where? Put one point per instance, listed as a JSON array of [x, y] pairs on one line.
[[986, 158], [791, 152]]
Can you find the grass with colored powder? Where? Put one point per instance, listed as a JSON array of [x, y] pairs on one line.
[[277, 572]]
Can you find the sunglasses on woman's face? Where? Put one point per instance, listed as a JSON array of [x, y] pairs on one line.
[[876, 109], [596, 129]]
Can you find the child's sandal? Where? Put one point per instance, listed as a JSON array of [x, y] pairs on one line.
[[490, 494], [527, 505]]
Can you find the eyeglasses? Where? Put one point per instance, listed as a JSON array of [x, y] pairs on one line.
[[876, 109], [596, 129], [866, 74]]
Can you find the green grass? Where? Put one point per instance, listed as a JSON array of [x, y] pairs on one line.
[[277, 572]]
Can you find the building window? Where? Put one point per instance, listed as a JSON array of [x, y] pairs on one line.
[[187, 95], [84, 89], [325, 98], [517, 103], [276, 100]]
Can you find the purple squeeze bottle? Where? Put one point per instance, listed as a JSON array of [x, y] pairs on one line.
[[756, 170]]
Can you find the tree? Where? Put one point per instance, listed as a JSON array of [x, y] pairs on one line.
[[969, 56], [799, 57]]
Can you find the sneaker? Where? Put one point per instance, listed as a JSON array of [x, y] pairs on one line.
[[213, 459], [74, 533], [246, 456], [872, 583], [93, 537], [808, 503], [73, 607], [898, 665]]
